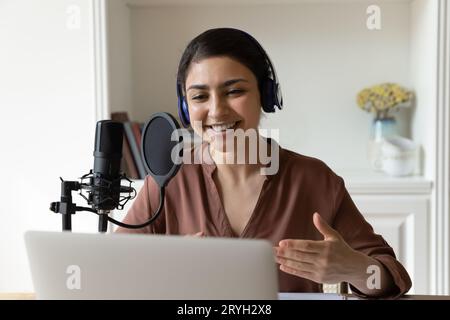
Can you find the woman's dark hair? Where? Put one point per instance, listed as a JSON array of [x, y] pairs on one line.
[[228, 42]]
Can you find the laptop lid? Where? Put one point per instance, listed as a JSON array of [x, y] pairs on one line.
[[67, 265]]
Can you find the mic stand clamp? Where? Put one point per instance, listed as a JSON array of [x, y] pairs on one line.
[[66, 207]]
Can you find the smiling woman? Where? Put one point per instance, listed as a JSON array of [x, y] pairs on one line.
[[222, 104], [225, 80]]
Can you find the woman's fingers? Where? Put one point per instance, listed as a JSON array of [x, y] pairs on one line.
[[296, 255], [303, 245], [304, 264], [299, 266], [298, 273]]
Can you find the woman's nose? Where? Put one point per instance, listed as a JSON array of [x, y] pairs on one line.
[[218, 108]]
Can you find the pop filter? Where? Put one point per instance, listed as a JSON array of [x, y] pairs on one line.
[[157, 147]]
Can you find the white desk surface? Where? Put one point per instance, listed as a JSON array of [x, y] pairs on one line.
[[281, 296], [310, 296], [335, 296]]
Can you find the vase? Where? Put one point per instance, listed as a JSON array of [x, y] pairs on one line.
[[382, 129]]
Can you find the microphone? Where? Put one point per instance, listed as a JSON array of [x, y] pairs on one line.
[[104, 181], [106, 177]]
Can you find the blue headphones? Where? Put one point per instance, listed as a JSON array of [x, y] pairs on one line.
[[270, 92]]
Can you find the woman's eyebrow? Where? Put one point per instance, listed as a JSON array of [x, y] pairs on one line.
[[232, 81], [223, 85], [198, 86]]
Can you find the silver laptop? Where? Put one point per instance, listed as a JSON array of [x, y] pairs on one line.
[[68, 265]]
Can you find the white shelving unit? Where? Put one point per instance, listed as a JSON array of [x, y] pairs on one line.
[[324, 54], [400, 210]]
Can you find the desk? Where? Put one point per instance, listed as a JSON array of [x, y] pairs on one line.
[[335, 296], [311, 296], [17, 296], [281, 296]]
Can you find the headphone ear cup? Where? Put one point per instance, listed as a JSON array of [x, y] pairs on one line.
[[278, 97], [268, 101], [183, 111]]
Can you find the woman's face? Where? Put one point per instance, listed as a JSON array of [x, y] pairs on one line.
[[221, 94]]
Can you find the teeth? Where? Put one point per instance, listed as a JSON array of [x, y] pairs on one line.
[[223, 127]]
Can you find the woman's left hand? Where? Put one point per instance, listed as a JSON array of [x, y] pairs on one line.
[[330, 260]]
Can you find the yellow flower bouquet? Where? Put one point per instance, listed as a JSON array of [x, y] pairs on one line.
[[383, 98]]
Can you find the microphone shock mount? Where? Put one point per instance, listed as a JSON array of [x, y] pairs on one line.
[[103, 186]]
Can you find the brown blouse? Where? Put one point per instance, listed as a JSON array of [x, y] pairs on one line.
[[288, 199]]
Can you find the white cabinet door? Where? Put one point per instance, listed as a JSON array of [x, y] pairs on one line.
[[403, 221]]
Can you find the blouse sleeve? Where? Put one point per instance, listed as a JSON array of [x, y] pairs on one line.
[[359, 234], [142, 208]]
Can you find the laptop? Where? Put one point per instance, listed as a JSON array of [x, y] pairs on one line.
[[67, 265]]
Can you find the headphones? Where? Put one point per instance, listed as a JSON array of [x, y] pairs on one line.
[[270, 91]]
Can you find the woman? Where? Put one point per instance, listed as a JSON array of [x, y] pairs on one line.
[[225, 80]]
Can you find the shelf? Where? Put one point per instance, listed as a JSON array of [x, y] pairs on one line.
[[367, 183]]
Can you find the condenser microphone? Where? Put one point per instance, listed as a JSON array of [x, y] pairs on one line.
[[106, 177], [104, 181]]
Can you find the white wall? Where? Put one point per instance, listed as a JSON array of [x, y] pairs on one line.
[[424, 78], [46, 100], [323, 54], [119, 60]]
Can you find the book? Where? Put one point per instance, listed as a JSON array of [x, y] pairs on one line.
[[135, 150], [137, 133], [129, 166]]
